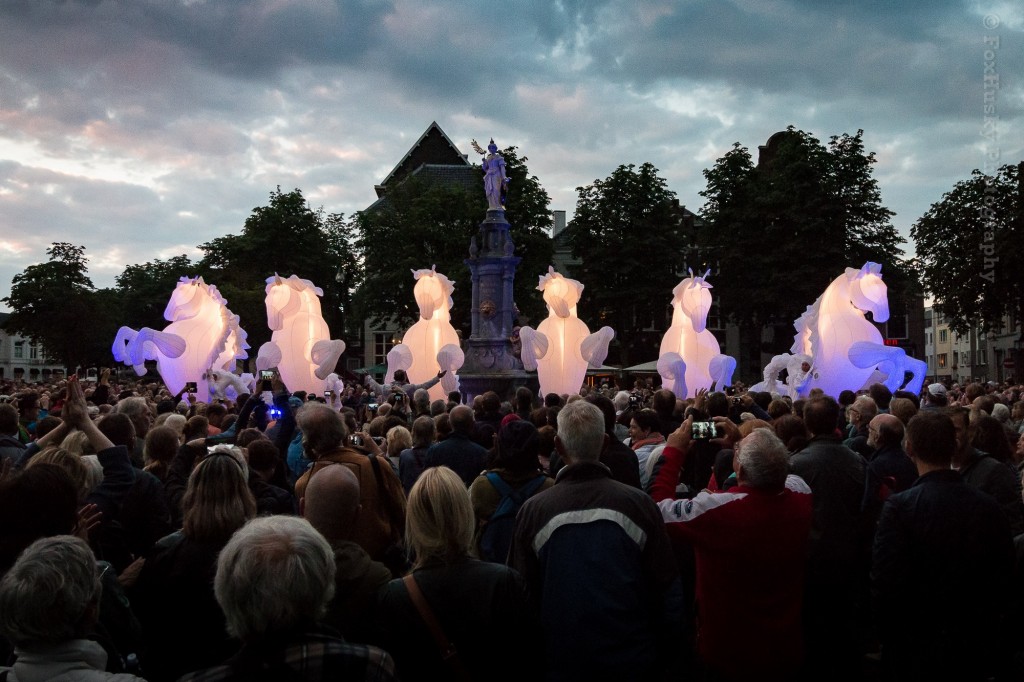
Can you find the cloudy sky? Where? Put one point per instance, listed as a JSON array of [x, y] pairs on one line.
[[142, 128]]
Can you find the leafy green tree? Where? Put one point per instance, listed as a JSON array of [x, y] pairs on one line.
[[781, 230], [56, 304], [970, 248], [285, 237], [423, 222], [628, 233]]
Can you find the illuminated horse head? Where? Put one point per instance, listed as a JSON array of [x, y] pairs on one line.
[[433, 292], [431, 344], [846, 349], [301, 346], [203, 335], [562, 347], [561, 294], [690, 358], [691, 298], [289, 297]]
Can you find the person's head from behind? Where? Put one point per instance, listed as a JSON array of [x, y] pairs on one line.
[[72, 464], [581, 434], [421, 401], [778, 408], [989, 436], [51, 594], [323, 429], [462, 420], [881, 394], [263, 457], [401, 377], [137, 409], [284, 561], [820, 415], [791, 430], [331, 502], [885, 431], [120, 429], [217, 501], [931, 439], [762, 461], [439, 520], [491, 402], [161, 446], [398, 439], [607, 408], [423, 431], [36, 502], [903, 409], [8, 420], [517, 447], [663, 403]]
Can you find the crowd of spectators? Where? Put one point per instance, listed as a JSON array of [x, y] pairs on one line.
[[613, 534]]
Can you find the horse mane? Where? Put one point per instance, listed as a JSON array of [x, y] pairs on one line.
[[447, 284], [295, 282], [807, 323]]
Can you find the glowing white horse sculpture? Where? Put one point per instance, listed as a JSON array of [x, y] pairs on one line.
[[562, 346], [431, 344], [225, 384], [203, 335], [798, 378], [846, 349], [301, 347], [690, 358], [336, 386]]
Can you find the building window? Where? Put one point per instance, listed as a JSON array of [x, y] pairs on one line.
[[982, 357], [943, 335], [942, 360], [33, 351], [382, 343], [19, 350]]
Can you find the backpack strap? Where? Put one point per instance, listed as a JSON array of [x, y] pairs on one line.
[[499, 483], [449, 654]]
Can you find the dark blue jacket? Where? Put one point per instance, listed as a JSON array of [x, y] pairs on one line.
[[595, 554], [460, 454], [941, 579]]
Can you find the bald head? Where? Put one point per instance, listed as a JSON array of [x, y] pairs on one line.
[[462, 419], [331, 502], [885, 430]]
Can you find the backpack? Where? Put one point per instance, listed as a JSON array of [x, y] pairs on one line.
[[496, 537]]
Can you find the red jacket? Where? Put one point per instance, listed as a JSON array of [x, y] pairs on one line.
[[750, 547]]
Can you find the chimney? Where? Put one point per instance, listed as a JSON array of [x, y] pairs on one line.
[[559, 223]]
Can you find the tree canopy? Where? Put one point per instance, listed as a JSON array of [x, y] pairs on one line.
[[970, 249], [781, 230], [285, 237], [628, 233], [56, 304]]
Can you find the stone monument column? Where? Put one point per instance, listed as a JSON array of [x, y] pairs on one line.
[[490, 363]]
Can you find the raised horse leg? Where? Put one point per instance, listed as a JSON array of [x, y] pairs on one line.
[[721, 369], [889, 359], [148, 344], [325, 354]]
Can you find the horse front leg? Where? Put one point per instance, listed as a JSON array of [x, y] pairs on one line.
[[325, 355], [672, 369], [889, 359], [124, 337], [721, 369], [148, 344]]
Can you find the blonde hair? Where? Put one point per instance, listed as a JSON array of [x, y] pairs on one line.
[[399, 439], [439, 520], [217, 501], [77, 443]]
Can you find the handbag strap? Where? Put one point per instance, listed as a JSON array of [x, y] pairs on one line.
[[448, 652]]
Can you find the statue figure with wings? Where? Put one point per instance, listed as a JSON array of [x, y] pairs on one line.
[[495, 180]]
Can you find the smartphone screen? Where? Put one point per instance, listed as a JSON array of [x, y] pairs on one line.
[[190, 387], [703, 430]]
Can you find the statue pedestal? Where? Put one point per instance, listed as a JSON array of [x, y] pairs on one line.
[[490, 363]]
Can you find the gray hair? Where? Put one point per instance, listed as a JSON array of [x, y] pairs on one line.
[[421, 400], [132, 407], [47, 595], [764, 460], [866, 407], [621, 401], [581, 431], [275, 573], [323, 429]]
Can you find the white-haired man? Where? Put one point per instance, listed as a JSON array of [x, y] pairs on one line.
[[595, 553], [290, 566], [750, 545], [49, 606]]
